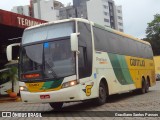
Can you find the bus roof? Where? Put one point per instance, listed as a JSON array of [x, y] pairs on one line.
[[60, 21], [92, 23]]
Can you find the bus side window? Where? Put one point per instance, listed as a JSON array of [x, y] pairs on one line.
[[82, 61], [85, 44]]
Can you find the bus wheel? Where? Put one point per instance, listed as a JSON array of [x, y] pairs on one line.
[[102, 94], [56, 105], [143, 89]]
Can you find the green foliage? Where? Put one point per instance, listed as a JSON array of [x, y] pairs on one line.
[[153, 34], [3, 75], [12, 74]]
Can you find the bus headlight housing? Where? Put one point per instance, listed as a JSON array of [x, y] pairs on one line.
[[23, 88], [69, 84]]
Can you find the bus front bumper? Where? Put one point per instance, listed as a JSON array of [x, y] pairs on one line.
[[63, 95]]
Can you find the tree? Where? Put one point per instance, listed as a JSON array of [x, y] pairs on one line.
[[12, 74], [153, 34]]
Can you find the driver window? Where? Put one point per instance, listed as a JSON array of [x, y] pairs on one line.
[[82, 61]]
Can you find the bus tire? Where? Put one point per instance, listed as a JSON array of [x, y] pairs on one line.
[[102, 94], [56, 105], [143, 89], [147, 85]]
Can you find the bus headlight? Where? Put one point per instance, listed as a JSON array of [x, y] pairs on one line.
[[69, 84], [23, 88]]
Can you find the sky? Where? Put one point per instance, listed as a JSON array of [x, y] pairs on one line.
[[136, 13]]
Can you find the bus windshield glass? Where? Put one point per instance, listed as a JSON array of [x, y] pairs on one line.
[[51, 56], [48, 32], [32, 58], [54, 59], [59, 60]]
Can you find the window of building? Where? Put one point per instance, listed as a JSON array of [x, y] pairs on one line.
[[105, 13], [106, 20], [106, 7], [119, 11], [121, 24], [119, 17]]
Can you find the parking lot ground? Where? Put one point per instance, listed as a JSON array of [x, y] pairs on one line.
[[128, 102]]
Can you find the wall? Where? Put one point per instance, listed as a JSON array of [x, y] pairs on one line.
[[23, 10], [45, 10], [96, 15], [119, 18]]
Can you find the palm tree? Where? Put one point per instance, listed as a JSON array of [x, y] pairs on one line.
[[12, 74]]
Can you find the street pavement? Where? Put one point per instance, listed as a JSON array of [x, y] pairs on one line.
[[121, 102]]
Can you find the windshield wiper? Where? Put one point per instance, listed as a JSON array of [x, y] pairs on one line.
[[52, 71]]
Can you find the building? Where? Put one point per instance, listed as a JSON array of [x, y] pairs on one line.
[[46, 9], [23, 10], [78, 10], [81, 6], [103, 12], [119, 18], [41, 9], [67, 12], [106, 12], [76, 3]]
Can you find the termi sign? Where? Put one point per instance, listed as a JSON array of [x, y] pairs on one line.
[[17, 20]]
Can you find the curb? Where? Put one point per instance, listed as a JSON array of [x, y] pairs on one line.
[[9, 99]]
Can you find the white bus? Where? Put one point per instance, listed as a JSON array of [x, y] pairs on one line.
[[6, 84], [76, 60]]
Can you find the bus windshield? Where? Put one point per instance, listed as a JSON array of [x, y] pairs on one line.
[[46, 50], [54, 59]]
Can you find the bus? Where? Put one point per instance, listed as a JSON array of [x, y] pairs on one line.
[[6, 84], [78, 60]]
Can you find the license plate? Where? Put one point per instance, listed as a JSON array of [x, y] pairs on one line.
[[45, 96]]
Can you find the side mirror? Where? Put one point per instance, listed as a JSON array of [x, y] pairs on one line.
[[10, 51], [74, 42]]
